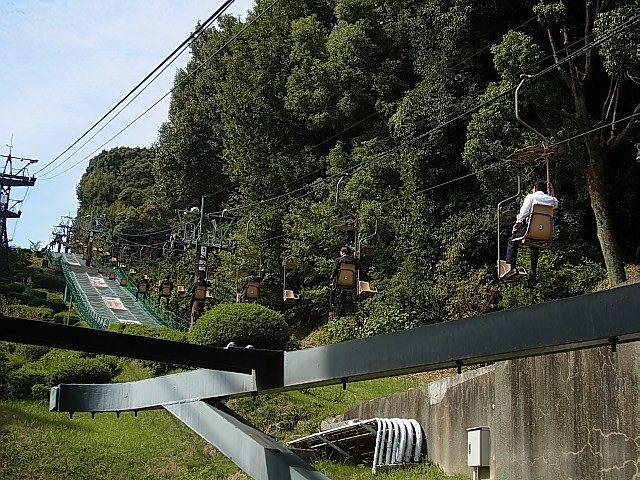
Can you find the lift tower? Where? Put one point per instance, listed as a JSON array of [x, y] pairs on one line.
[[11, 177]]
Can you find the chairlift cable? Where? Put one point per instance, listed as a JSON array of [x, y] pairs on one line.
[[187, 41]]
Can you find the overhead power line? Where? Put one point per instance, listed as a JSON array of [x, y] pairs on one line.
[[168, 59], [628, 24], [188, 76]]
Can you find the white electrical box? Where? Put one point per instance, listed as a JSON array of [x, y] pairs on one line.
[[478, 447]]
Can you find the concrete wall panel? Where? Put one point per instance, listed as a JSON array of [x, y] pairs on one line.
[[573, 416]]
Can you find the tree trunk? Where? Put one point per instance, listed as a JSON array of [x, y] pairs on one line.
[[608, 244]]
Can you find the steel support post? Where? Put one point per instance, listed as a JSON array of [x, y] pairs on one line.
[[256, 453]]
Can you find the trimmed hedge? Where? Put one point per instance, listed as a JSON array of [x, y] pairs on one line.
[[27, 311], [242, 323], [59, 366]]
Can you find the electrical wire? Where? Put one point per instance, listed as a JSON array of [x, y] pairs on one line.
[[188, 76], [376, 158], [189, 39]]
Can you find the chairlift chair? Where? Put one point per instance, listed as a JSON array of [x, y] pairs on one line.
[[112, 275], [347, 276], [124, 281], [100, 269], [200, 293], [165, 290], [132, 271], [142, 287], [180, 289], [540, 224], [288, 296]]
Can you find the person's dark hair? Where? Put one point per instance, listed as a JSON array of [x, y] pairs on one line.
[[201, 278], [251, 273], [345, 250], [540, 186]]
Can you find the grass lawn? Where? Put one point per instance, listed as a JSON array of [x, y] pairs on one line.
[[38, 444]]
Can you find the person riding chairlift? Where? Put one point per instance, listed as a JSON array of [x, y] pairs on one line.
[[538, 195], [251, 277], [345, 257]]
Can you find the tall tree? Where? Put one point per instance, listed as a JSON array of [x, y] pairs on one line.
[[590, 95]]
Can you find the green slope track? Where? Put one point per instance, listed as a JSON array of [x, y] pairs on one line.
[[103, 302]]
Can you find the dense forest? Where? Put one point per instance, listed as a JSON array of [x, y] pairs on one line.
[[396, 118]]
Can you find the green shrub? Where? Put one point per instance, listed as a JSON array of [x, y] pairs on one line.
[[16, 287], [4, 367], [27, 311], [242, 323], [339, 330], [59, 366], [61, 317], [39, 293], [561, 273], [28, 353]]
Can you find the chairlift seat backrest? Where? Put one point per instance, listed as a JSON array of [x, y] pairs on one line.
[[180, 289], [112, 275], [200, 293], [539, 227], [142, 287], [124, 281], [347, 275], [253, 291], [165, 291], [100, 269]]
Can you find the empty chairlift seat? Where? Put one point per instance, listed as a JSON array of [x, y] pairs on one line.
[[289, 297], [165, 291], [180, 289], [112, 275], [365, 290], [124, 281]]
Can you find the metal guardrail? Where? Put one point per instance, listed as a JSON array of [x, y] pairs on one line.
[[87, 313]]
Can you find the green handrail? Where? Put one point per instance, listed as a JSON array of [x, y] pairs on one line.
[[88, 314]]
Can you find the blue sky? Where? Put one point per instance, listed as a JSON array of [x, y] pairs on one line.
[[65, 63]]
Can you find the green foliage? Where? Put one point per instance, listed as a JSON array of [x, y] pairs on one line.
[[27, 311], [622, 51], [59, 366], [338, 330], [561, 273], [242, 323]]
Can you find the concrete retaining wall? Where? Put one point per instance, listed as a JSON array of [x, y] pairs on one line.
[[567, 416]]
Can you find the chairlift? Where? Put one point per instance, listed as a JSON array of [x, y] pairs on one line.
[[364, 288], [112, 275], [540, 222], [287, 295], [180, 289], [252, 286], [100, 269], [132, 271], [124, 281]]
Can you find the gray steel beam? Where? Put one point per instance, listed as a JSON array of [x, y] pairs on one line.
[[268, 363], [607, 317], [150, 393], [256, 453]]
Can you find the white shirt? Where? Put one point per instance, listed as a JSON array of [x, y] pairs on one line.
[[533, 199]]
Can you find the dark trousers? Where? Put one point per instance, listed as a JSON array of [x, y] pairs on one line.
[[333, 294], [512, 250]]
